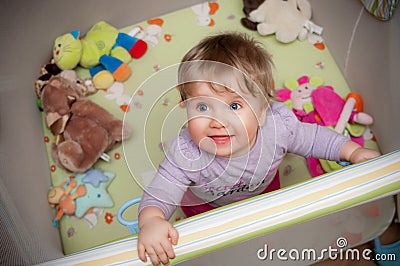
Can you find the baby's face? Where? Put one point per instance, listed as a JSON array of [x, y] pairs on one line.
[[223, 122]]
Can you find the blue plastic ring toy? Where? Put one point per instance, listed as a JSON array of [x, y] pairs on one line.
[[132, 225]]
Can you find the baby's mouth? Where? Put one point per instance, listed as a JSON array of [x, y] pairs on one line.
[[221, 139]]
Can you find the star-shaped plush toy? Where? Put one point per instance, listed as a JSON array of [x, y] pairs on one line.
[[95, 177], [96, 182]]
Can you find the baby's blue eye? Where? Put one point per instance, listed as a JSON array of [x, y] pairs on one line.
[[234, 106], [202, 107]]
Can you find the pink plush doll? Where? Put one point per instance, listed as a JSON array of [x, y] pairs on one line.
[[313, 103], [297, 95]]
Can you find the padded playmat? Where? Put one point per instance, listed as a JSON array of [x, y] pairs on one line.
[[169, 36]]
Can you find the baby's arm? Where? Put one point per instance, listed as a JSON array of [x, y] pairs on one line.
[[156, 236], [354, 153]]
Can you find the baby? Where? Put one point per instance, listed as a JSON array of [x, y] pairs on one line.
[[236, 137]]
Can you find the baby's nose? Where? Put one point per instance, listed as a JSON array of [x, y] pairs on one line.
[[215, 123]]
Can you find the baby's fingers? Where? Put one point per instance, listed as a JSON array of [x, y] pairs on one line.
[[173, 234], [162, 256], [169, 251], [142, 253], [153, 256]]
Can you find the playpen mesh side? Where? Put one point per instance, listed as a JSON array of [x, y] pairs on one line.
[[19, 245]]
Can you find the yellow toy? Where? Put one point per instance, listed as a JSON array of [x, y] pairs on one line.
[[104, 51]]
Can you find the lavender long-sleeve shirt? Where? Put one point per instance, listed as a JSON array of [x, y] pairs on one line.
[[220, 180]]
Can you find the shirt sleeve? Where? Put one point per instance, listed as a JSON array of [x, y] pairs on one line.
[[311, 140], [166, 189]]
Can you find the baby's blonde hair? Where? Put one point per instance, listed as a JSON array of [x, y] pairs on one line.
[[237, 50]]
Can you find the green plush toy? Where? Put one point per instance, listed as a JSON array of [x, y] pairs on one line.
[[104, 51]]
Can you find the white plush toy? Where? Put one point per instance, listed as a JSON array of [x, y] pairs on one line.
[[288, 19]]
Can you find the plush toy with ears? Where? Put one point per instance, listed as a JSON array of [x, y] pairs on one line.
[[104, 50], [316, 104], [83, 130], [288, 19], [65, 198], [81, 194], [50, 70], [248, 6]]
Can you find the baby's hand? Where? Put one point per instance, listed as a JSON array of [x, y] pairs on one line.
[[156, 238], [354, 153], [363, 154]]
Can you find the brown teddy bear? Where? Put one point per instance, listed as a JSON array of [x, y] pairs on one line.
[[83, 130], [50, 70]]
